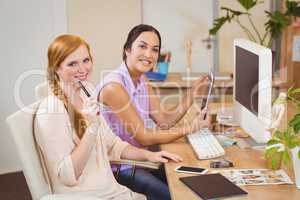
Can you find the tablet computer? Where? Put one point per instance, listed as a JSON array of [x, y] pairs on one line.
[[205, 101]]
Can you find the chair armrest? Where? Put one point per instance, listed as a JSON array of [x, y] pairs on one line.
[[144, 164], [76, 196]]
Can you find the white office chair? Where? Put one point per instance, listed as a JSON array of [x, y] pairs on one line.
[[20, 124], [42, 90]]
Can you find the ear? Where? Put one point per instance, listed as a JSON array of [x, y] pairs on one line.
[[58, 71], [127, 51]]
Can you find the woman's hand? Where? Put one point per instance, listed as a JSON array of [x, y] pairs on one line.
[[163, 157], [91, 110], [202, 120], [200, 87]]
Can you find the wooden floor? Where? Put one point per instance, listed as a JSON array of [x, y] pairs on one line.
[[13, 187]]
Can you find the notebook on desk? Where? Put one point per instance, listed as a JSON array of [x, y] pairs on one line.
[[212, 186]]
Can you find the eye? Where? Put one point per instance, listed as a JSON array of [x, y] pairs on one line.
[[156, 50], [142, 46], [87, 60], [72, 64]]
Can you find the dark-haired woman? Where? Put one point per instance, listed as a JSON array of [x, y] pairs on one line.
[[130, 105]]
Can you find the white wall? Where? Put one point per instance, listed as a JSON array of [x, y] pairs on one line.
[[105, 25], [27, 28], [231, 31], [178, 22]]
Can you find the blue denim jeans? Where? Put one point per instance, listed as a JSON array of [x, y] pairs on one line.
[[151, 183]]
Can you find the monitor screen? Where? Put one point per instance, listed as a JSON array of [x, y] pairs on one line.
[[246, 84]]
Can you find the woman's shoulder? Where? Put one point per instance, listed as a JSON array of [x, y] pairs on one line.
[[51, 113], [113, 78], [51, 104]]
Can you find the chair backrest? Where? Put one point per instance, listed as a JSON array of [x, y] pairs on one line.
[[20, 124], [42, 90]]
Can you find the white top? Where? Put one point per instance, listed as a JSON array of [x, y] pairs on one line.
[[57, 140]]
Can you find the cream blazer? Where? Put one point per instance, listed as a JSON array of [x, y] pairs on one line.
[[57, 140]]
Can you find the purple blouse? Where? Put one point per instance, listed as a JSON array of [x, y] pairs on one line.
[[139, 98]]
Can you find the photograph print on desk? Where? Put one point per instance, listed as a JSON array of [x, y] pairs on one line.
[[256, 176]]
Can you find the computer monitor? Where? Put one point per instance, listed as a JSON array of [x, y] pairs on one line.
[[252, 88]]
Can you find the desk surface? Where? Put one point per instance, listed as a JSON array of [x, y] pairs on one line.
[[175, 80], [242, 158]]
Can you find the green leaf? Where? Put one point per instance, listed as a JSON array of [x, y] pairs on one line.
[[295, 123], [293, 96], [285, 135], [296, 140], [299, 154], [219, 22], [297, 128], [277, 21], [295, 119], [295, 91], [289, 138], [293, 142], [273, 141], [279, 101], [290, 89], [278, 134], [247, 4], [270, 151], [276, 160], [292, 8], [286, 157], [233, 13]]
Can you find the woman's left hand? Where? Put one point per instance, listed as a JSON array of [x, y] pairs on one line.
[[163, 157]]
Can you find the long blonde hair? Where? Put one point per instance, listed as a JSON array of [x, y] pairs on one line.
[[58, 50]]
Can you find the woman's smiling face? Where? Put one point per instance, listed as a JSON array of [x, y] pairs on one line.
[[76, 66], [143, 54]]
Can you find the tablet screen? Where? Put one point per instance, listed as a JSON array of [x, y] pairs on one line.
[[205, 101]]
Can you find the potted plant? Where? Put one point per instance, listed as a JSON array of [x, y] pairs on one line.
[[283, 147], [276, 22]]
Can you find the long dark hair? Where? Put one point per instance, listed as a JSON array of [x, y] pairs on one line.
[[134, 33]]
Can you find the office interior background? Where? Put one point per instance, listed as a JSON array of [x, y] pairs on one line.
[[28, 27]]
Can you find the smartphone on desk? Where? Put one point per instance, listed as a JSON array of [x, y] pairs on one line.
[[191, 170]]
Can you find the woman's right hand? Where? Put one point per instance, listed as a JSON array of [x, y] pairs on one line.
[[91, 110], [202, 120], [200, 87], [163, 157]]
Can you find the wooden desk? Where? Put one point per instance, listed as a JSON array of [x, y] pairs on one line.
[[242, 158], [175, 85], [175, 80], [223, 89]]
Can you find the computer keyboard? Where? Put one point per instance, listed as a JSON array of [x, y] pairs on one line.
[[205, 144]]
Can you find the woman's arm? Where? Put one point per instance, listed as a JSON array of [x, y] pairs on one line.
[[54, 136], [117, 99], [133, 153], [118, 149], [82, 151], [167, 118]]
